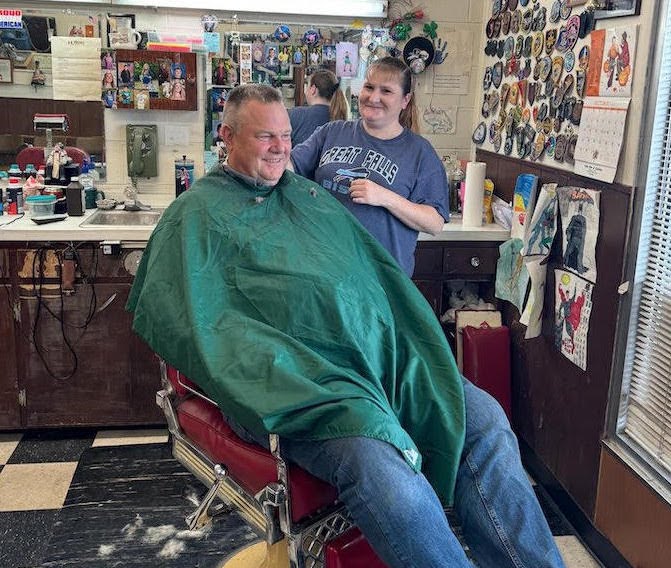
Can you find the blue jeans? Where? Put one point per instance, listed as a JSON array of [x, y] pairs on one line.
[[401, 515]]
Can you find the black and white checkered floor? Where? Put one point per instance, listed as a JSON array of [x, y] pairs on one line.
[[85, 498]]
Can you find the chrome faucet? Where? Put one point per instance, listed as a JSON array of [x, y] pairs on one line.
[[131, 202]]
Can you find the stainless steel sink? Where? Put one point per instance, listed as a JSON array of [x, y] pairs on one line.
[[116, 217]]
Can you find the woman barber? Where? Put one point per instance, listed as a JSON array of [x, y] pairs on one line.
[[385, 173]]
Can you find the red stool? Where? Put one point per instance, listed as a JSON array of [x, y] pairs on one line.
[[286, 505]]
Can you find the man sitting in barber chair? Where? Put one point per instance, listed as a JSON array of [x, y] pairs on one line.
[[259, 286]]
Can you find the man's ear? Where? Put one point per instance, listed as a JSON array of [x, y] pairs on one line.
[[227, 134]]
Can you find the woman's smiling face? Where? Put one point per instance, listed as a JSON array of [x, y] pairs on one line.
[[381, 99]]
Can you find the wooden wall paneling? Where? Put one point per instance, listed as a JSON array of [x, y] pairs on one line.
[[558, 409], [86, 117], [10, 411], [99, 391], [632, 516]]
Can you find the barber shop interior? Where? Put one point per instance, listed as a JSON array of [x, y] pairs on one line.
[[366, 283]]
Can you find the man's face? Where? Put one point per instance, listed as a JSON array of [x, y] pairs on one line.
[[262, 145]]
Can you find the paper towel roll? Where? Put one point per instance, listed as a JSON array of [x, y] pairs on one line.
[[475, 189]]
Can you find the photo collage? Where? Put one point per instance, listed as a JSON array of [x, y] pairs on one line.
[[141, 83]]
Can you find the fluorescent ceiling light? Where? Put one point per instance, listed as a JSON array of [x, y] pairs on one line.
[[344, 8]]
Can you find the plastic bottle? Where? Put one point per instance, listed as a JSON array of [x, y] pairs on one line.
[[13, 200], [85, 178], [93, 169], [75, 198]]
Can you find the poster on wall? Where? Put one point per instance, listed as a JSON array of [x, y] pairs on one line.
[[579, 208], [76, 69], [524, 200], [617, 66], [573, 306], [347, 59], [440, 120], [454, 77], [595, 57]]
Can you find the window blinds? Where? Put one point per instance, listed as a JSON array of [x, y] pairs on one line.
[[645, 410]]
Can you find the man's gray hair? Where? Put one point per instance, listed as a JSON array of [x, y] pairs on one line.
[[245, 93]]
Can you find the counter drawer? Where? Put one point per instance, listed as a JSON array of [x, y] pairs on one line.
[[428, 258], [471, 261]]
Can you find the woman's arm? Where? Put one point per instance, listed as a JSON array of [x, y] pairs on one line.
[[417, 216]]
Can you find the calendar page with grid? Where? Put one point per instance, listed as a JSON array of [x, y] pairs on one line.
[[597, 151]]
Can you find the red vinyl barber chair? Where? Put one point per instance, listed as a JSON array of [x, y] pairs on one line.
[[35, 155], [298, 515]]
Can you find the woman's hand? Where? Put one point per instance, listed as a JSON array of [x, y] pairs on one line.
[[368, 192]]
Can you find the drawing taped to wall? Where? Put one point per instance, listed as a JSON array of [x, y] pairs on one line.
[[579, 209], [573, 306], [540, 232], [440, 120]]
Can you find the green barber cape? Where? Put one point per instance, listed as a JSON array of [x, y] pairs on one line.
[[292, 317]]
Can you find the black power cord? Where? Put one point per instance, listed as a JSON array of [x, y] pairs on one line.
[[38, 282]]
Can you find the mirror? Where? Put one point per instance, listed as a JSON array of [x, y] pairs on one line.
[[282, 55], [86, 127], [30, 91]]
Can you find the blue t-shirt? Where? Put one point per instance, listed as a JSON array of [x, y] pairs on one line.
[[341, 151], [305, 120]]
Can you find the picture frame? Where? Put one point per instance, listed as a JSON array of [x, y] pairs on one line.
[[169, 78], [6, 71], [618, 9]]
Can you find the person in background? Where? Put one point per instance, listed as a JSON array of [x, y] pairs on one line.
[[379, 167], [368, 386], [325, 102]]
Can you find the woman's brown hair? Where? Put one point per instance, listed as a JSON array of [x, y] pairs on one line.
[[390, 65], [328, 87]]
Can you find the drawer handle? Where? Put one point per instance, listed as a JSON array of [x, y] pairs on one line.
[[475, 261]]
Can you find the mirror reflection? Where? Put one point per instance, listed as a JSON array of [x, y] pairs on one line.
[[282, 55]]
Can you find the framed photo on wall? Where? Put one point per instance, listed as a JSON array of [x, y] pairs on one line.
[[617, 8], [6, 71], [168, 78]]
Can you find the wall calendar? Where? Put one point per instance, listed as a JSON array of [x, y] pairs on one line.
[[597, 151]]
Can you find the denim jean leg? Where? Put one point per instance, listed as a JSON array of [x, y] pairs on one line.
[[502, 521], [395, 508]]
